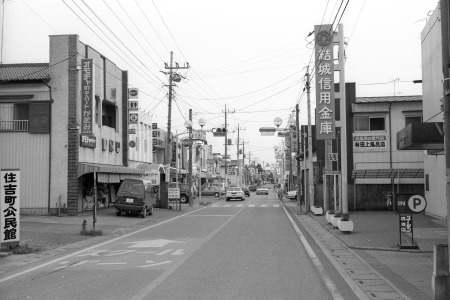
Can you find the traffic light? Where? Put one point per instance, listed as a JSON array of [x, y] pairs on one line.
[[219, 131]]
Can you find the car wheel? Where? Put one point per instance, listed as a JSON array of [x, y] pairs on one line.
[[150, 212], [216, 195], [228, 199], [144, 212], [118, 213], [184, 199]]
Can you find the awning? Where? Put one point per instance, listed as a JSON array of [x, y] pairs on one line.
[[388, 173], [84, 168], [147, 166]]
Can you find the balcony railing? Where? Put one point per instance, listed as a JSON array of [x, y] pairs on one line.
[[14, 125]]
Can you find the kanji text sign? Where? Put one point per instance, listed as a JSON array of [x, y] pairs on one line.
[[87, 95], [10, 205], [324, 73]]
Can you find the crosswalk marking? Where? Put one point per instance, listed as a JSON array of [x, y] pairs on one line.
[[251, 205]]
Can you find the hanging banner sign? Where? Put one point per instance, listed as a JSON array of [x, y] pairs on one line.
[[10, 206], [324, 73], [87, 94]]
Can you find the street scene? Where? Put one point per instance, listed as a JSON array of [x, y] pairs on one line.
[[236, 150]]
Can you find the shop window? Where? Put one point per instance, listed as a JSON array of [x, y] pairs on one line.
[[369, 124], [109, 114]]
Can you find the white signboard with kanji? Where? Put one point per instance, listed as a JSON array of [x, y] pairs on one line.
[[10, 205]]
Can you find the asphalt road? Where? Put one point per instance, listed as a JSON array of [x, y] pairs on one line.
[[247, 249]]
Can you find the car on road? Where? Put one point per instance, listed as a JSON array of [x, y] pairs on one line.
[[262, 191], [246, 191], [235, 193], [212, 191], [252, 188], [291, 194]]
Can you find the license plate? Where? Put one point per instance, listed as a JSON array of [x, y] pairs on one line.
[[129, 200]]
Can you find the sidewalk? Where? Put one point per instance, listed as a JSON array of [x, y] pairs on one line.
[[376, 239]]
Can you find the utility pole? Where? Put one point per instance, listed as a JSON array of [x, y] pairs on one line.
[[226, 150], [191, 197], [445, 12], [167, 157], [299, 171], [237, 153], [310, 154]]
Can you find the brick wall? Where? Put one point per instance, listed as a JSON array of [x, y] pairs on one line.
[[72, 142]]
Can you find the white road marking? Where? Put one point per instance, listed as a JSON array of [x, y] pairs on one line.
[[156, 264], [151, 243], [263, 205], [178, 252], [276, 205], [328, 282], [251, 205], [165, 252], [113, 263]]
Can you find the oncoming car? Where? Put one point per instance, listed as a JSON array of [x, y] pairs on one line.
[[262, 191], [235, 193], [246, 191]]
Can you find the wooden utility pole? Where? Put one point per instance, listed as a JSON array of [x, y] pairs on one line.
[[167, 157]]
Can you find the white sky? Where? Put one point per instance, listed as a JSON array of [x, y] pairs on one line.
[[250, 55]]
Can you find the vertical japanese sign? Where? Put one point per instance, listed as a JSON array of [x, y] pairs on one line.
[[87, 95], [10, 206], [325, 115]]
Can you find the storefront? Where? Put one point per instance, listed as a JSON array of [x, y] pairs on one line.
[[105, 179]]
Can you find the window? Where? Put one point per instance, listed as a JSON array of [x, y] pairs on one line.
[[413, 120], [14, 116], [369, 124], [108, 114]]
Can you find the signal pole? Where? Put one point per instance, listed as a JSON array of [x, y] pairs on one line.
[[167, 157]]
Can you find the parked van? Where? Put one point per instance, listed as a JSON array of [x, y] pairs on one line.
[[135, 196]]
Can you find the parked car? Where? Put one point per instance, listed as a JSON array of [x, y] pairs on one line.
[[212, 191], [246, 191], [135, 196], [252, 188], [291, 194], [184, 191], [235, 193], [262, 191]]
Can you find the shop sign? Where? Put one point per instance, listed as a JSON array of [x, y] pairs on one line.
[[132, 144], [174, 193], [104, 144], [133, 93], [10, 206], [153, 177], [154, 126], [88, 141], [87, 92], [369, 143], [131, 130], [133, 105], [325, 115], [134, 117], [111, 146], [117, 147]]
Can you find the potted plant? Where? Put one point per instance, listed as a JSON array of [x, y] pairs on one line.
[[337, 216], [345, 224]]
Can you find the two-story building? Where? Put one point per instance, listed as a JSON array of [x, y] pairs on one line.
[[65, 126]]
